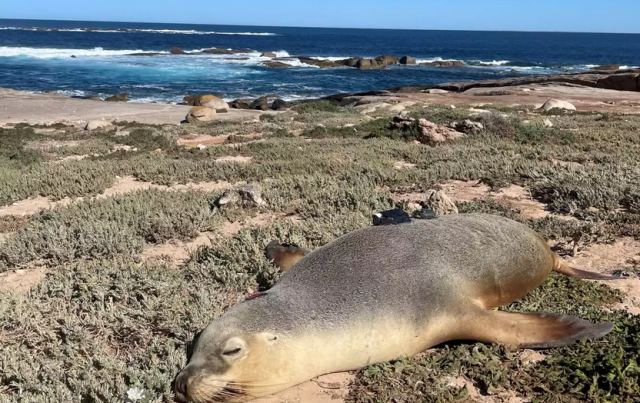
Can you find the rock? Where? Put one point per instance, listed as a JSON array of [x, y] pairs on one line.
[[432, 133], [213, 102], [368, 64], [351, 62], [408, 60], [321, 62], [243, 103], [200, 114], [620, 82], [268, 54], [98, 124], [274, 64], [279, 105], [391, 217], [261, 104], [445, 63], [440, 203], [467, 126], [245, 194], [607, 67], [123, 97], [177, 51], [558, 105], [386, 60], [425, 213], [547, 123]]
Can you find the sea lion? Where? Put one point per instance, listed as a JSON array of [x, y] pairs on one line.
[[379, 294]]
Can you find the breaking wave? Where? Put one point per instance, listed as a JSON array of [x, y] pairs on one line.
[[137, 30]]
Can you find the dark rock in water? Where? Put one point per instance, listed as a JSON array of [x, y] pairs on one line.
[[274, 64], [261, 104], [279, 105], [391, 217], [268, 54], [177, 51], [408, 60], [241, 103], [321, 63], [74, 56], [386, 60], [445, 63], [123, 97], [368, 64]]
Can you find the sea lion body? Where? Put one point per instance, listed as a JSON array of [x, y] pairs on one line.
[[385, 292]]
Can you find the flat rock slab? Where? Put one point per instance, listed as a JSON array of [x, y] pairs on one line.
[[23, 107]]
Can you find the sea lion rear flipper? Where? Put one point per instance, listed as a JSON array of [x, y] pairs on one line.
[[564, 268], [532, 330], [285, 256]]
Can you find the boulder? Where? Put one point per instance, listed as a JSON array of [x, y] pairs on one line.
[[558, 105], [438, 202], [321, 62], [213, 102], [432, 133], [123, 97], [351, 62], [98, 124], [467, 126], [250, 195], [408, 60], [268, 54], [607, 67], [620, 82], [368, 64], [279, 105], [200, 114], [386, 60], [244, 103], [177, 51], [261, 104]]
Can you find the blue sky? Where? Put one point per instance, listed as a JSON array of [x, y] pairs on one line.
[[516, 15]]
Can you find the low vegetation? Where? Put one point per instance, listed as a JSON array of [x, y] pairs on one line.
[[110, 321]]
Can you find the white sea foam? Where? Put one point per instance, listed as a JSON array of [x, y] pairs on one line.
[[138, 30], [494, 62], [54, 53]]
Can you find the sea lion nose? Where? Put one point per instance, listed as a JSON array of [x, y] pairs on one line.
[[181, 385]]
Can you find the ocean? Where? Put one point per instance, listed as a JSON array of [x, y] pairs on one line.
[[96, 58]]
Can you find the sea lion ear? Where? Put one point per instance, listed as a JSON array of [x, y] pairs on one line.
[[234, 349], [270, 337]]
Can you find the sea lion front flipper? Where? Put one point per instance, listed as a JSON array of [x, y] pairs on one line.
[[285, 256], [532, 330]]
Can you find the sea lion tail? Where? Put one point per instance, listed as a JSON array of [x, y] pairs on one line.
[[562, 267], [285, 256]]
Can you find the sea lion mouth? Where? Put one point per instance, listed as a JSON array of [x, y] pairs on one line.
[[228, 393]]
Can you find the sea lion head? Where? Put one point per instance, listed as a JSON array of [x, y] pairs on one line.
[[230, 362]]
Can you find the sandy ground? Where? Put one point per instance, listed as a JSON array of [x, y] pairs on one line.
[[22, 107]]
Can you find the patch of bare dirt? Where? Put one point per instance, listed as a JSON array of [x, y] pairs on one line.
[[176, 252], [604, 258], [528, 357], [327, 388], [21, 281], [201, 140], [122, 185]]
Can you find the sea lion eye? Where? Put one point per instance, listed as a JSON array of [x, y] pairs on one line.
[[232, 352]]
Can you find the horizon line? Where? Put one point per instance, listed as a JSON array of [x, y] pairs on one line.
[[326, 27]]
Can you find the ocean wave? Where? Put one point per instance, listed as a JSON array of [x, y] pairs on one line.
[[138, 30], [493, 62], [54, 53]]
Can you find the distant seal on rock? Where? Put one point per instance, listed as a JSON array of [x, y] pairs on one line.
[[379, 294]]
